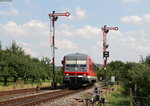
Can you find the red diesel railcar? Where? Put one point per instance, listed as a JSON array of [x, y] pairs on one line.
[[78, 70]]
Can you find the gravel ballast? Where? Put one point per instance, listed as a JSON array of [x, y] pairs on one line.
[[77, 99]]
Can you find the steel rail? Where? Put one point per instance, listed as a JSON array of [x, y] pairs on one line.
[[14, 101], [39, 98], [11, 92]]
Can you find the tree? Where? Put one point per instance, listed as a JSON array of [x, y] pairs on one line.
[[47, 67], [59, 76], [147, 60], [115, 68], [0, 46], [140, 75], [100, 72], [15, 64], [4, 68], [15, 60]]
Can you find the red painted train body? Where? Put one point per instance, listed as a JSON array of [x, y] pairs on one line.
[[78, 70]]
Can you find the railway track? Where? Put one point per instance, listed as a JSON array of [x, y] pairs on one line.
[[39, 98], [12, 92]]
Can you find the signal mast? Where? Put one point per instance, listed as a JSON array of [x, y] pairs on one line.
[[53, 17], [105, 46]]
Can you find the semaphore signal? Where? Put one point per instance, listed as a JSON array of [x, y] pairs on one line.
[[59, 14], [54, 16], [105, 46]]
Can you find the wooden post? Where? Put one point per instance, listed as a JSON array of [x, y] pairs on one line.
[[131, 97]]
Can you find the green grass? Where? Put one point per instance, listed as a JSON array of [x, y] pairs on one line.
[[22, 85], [116, 98]]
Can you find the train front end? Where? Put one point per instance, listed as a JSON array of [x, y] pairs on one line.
[[76, 70]]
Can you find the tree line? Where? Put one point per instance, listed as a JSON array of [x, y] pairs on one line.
[[16, 65], [130, 75]]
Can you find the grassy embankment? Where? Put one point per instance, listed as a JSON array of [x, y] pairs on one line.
[[116, 97], [21, 85]]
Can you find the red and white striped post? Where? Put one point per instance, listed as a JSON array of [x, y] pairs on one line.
[[105, 46], [54, 16]]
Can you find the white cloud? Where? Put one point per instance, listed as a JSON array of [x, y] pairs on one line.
[[134, 42], [11, 12], [79, 13], [132, 19], [12, 29], [35, 23], [33, 31], [129, 1], [33, 28], [65, 44], [64, 30], [139, 40], [44, 44], [88, 32], [30, 52], [146, 18], [60, 44], [138, 20]]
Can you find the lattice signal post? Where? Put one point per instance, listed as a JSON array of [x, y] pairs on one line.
[[105, 46], [53, 17]]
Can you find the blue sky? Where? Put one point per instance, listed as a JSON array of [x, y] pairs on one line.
[[27, 22]]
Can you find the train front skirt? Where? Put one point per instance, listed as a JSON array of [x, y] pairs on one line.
[[78, 80]]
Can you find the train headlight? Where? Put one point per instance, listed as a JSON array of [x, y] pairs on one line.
[[84, 74], [67, 74]]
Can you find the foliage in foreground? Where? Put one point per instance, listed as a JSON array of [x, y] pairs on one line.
[[130, 75], [116, 98]]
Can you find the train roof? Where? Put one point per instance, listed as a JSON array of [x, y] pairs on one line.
[[77, 56]]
